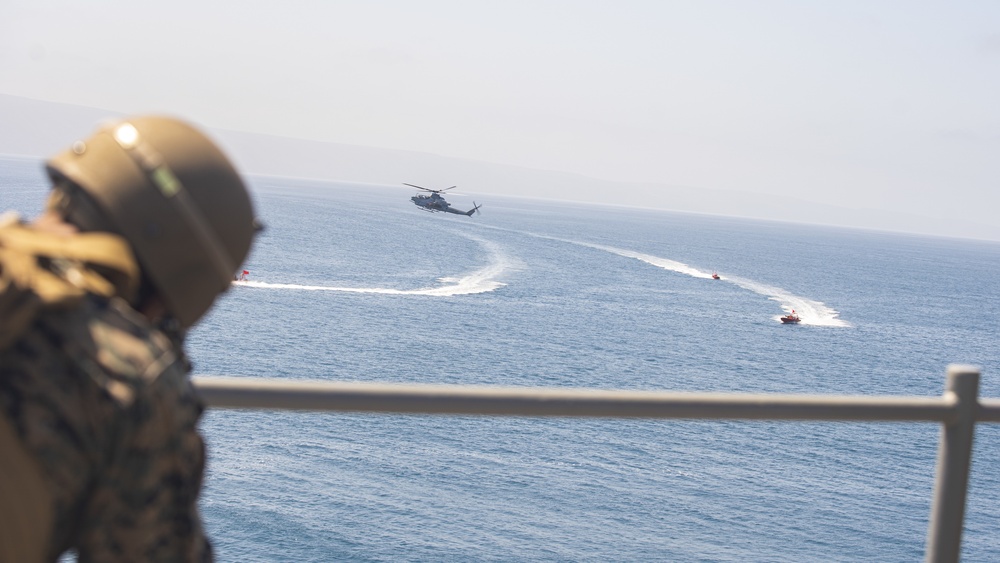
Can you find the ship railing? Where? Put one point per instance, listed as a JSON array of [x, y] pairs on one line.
[[958, 411]]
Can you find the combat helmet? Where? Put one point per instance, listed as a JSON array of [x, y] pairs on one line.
[[175, 197]]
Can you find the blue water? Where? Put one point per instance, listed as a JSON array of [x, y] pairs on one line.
[[355, 283]]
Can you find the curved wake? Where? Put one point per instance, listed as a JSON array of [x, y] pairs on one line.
[[810, 311], [478, 281], [665, 263]]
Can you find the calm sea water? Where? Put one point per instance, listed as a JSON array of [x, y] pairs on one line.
[[355, 283]]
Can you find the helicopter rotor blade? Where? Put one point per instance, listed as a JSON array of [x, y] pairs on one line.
[[428, 189]]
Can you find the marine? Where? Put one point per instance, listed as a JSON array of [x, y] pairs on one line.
[[99, 447]]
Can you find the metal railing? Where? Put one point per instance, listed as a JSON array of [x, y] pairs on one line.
[[958, 411]]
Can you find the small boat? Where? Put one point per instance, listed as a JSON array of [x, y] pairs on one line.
[[715, 276], [790, 319]]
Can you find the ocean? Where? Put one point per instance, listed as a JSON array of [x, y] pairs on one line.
[[354, 283]]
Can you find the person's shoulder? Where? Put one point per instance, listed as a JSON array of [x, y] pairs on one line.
[[108, 337]]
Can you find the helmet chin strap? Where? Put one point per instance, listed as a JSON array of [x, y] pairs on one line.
[[148, 159]]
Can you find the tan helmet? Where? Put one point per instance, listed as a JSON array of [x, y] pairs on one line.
[[172, 193]]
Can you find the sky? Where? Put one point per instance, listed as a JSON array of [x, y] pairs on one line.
[[864, 104]]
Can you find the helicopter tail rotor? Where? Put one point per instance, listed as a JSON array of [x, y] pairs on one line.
[[475, 209]]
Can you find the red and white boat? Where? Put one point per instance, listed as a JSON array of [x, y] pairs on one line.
[[791, 318]]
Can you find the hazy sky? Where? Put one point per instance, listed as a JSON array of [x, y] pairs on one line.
[[891, 105]]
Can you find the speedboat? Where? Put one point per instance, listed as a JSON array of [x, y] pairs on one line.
[[242, 276], [715, 276], [790, 319]]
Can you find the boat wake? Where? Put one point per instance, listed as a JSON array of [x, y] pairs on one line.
[[478, 281], [664, 263], [811, 312]]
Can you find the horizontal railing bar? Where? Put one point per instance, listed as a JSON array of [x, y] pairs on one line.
[[255, 393], [989, 410]]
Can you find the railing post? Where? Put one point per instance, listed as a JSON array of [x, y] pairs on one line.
[[944, 534]]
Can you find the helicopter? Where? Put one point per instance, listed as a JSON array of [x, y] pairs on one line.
[[436, 202]]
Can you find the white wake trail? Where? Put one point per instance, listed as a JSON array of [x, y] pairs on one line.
[[478, 281], [664, 263], [810, 311]]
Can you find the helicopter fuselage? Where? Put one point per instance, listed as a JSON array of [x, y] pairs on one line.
[[432, 202], [436, 202]]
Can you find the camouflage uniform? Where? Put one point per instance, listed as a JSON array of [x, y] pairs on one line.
[[99, 449], [102, 400]]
